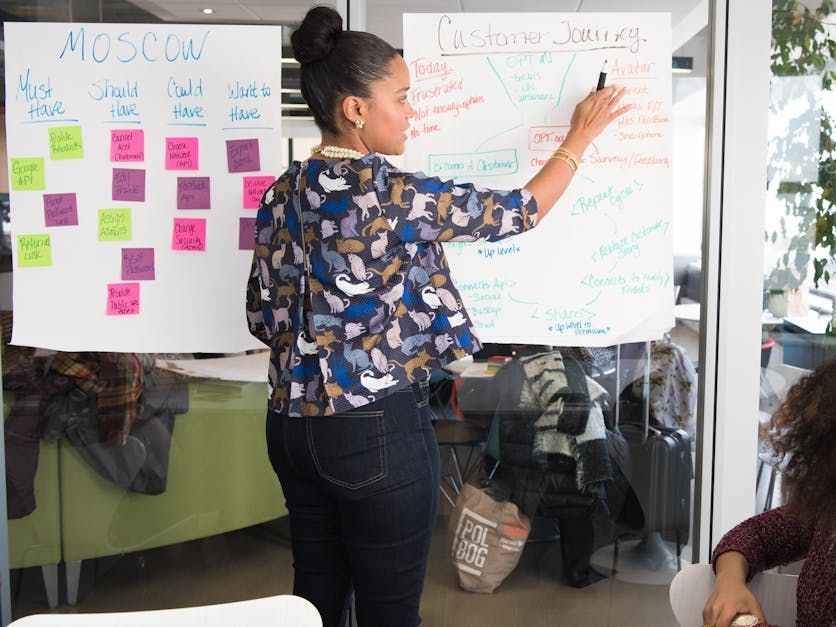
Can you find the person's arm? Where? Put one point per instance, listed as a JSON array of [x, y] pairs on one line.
[[255, 315], [422, 208], [730, 595], [591, 116], [758, 543]]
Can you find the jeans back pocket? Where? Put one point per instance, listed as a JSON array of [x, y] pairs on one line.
[[349, 449]]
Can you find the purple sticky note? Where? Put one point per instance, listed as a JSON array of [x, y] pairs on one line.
[[181, 153], [242, 155], [246, 233], [128, 184], [137, 264], [193, 192], [60, 210]]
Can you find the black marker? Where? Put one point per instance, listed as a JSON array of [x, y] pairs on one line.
[[602, 77]]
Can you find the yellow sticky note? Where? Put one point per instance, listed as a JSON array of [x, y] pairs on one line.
[[33, 250], [114, 225], [28, 173], [65, 143]]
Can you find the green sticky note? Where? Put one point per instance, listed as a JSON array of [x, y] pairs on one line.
[[28, 173], [33, 250], [65, 143], [114, 225]]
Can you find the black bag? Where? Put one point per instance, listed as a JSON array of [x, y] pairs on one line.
[[662, 470]]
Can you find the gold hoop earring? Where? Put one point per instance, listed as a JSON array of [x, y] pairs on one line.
[[359, 123]]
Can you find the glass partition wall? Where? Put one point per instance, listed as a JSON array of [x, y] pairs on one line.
[[622, 547], [799, 265], [187, 511]]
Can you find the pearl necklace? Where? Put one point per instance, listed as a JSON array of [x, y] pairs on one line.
[[337, 152]]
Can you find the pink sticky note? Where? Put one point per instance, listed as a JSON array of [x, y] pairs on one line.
[[60, 210], [189, 234], [254, 188], [181, 153], [137, 264], [242, 155], [128, 184], [193, 192], [246, 233], [127, 145], [122, 299]]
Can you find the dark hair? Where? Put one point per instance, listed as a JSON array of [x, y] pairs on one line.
[[336, 63], [803, 436]]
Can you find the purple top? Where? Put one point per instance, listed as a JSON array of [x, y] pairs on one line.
[[774, 538]]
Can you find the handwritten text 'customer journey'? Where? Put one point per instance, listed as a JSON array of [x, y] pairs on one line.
[[493, 96], [138, 156]]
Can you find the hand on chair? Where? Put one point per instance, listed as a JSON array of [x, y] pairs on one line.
[[728, 599]]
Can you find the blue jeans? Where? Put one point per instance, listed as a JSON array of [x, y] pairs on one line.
[[362, 492]]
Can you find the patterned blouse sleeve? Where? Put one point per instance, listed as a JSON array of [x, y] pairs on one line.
[[767, 540], [422, 208], [255, 284]]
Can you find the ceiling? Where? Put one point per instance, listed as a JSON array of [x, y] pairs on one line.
[[383, 17]]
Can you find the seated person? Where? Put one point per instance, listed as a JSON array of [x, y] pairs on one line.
[[803, 437]]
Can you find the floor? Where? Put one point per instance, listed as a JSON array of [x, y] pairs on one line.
[[256, 562]]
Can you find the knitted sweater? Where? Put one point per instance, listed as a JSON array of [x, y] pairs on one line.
[[774, 538]]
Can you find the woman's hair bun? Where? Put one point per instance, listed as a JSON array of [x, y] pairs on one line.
[[317, 34]]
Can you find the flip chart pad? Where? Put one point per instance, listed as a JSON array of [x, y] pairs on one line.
[[493, 95], [112, 131]]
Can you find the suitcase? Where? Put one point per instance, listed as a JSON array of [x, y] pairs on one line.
[[662, 469]]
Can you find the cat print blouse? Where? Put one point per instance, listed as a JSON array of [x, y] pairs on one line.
[[349, 285]]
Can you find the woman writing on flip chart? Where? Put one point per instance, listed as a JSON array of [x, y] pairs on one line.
[[351, 290]]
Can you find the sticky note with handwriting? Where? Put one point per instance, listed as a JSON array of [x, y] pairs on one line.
[[127, 145], [128, 184], [254, 188], [28, 174], [122, 299], [242, 155], [60, 209], [193, 192], [189, 234], [137, 264], [65, 142], [181, 153], [33, 251]]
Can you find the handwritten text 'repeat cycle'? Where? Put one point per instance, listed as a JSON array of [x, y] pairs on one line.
[[570, 36]]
